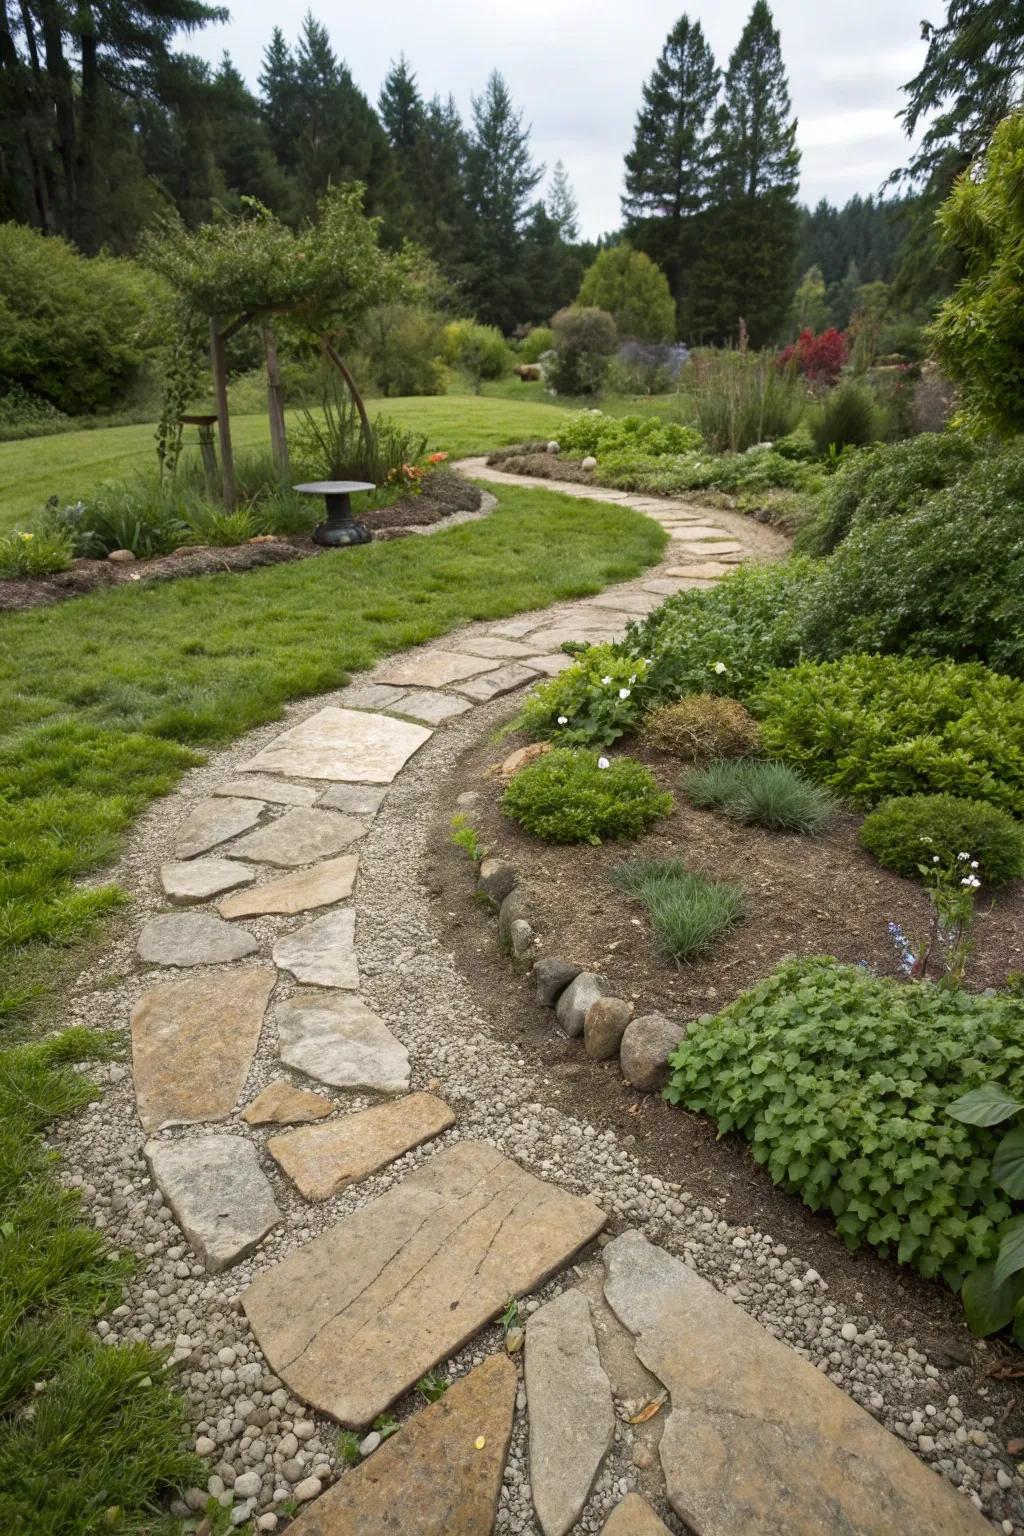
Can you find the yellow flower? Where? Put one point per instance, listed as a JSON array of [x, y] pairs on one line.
[[28, 535]]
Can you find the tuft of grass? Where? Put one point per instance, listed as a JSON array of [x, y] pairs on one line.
[[465, 836], [688, 912], [770, 794]]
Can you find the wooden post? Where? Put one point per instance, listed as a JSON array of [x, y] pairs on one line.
[[218, 364], [275, 406], [209, 454]]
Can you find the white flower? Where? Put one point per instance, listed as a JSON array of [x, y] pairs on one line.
[[606, 681], [963, 855], [603, 762], [935, 858], [720, 667], [623, 693], [974, 863], [563, 719], [632, 677], [972, 882]]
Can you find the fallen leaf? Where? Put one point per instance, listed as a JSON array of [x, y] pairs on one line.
[[480, 1442], [649, 1410]]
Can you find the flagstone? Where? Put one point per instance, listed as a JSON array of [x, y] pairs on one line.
[[192, 938], [341, 1042], [709, 569], [322, 1160], [300, 837], [634, 1517], [198, 879], [624, 602], [433, 669], [697, 532], [319, 886], [282, 1104], [431, 706], [670, 587], [550, 665], [355, 799], [505, 680], [710, 548], [494, 645], [513, 628], [440, 1475], [323, 952], [373, 696], [219, 1195], [214, 821], [553, 639], [347, 745], [273, 790], [757, 1440], [351, 1320], [192, 1045]]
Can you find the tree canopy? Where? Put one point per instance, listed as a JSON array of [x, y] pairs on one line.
[[633, 290]]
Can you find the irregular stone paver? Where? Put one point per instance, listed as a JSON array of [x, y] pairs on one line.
[[667, 588], [513, 629], [626, 602], [434, 1477], [272, 790], [321, 1160], [550, 665], [355, 799], [706, 570], [351, 1320], [341, 1042], [323, 953], [757, 1440], [432, 707], [299, 837], [220, 1196], [213, 822], [505, 680], [373, 696], [697, 533], [433, 669], [496, 646], [198, 879], [346, 745], [281, 1104], [553, 639], [192, 938], [320, 886], [192, 1045], [572, 1421], [635, 1517], [709, 549]]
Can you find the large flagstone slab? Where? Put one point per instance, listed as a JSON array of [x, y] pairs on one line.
[[697, 532], [709, 549], [496, 646], [321, 886], [351, 1320], [220, 1197], [625, 602], [707, 570], [189, 880], [213, 822], [342, 1043], [433, 669], [300, 837], [193, 1043], [322, 1160], [757, 1440], [347, 745], [355, 799], [323, 953], [273, 790], [440, 1475], [192, 938]]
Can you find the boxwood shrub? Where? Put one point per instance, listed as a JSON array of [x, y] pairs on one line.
[[841, 1081], [569, 797], [869, 727], [911, 830]]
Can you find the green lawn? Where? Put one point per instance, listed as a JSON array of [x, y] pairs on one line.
[[70, 464]]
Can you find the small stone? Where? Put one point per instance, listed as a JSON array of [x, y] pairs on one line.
[[497, 880], [849, 1332], [514, 909], [323, 952], [574, 1003], [307, 1489], [267, 1522], [281, 1104], [589, 462], [215, 821], [552, 447], [644, 1052], [516, 760], [370, 1444], [303, 1429], [121, 556], [247, 1486], [205, 1446], [192, 938], [514, 1339], [551, 977], [604, 1026]]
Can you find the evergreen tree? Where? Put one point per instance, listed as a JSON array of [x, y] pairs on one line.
[[754, 228], [552, 267], [279, 105], [401, 107], [810, 307], [669, 168], [241, 143], [633, 290], [500, 177], [562, 207], [438, 177]]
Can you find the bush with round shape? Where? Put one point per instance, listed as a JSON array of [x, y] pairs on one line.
[[869, 727], [766, 794], [842, 1083], [848, 417], [540, 340], [478, 351], [701, 727], [633, 289], [592, 432], [584, 342], [577, 797], [591, 703], [909, 831]]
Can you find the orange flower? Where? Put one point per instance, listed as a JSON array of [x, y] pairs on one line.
[[436, 458]]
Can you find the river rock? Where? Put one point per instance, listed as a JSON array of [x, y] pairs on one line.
[[575, 1002], [497, 879], [604, 1026], [551, 977], [646, 1044]]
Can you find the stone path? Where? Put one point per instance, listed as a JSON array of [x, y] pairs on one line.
[[350, 1313]]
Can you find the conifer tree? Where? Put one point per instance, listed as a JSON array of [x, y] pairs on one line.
[[500, 177], [401, 107], [439, 177], [562, 207], [279, 98], [669, 168]]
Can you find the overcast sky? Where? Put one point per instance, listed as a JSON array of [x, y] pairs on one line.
[[576, 68]]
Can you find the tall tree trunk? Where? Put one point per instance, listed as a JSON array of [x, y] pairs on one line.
[[219, 366], [85, 200], [61, 89], [17, 104]]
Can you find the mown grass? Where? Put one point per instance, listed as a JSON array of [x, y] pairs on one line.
[[688, 912]]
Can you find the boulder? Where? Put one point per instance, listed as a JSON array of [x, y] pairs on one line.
[[520, 937], [575, 1002], [604, 1026], [497, 880], [645, 1048], [514, 909], [551, 977]]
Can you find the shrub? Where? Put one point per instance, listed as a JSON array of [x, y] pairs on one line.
[[818, 358], [20, 408], [869, 727], [331, 443], [145, 519], [41, 553], [848, 417], [741, 398], [646, 368], [944, 579], [584, 341], [591, 703], [540, 340], [770, 794], [478, 351], [214, 526], [842, 1082], [633, 290], [701, 727], [592, 432], [910, 830], [403, 343], [688, 912], [575, 797], [675, 474]]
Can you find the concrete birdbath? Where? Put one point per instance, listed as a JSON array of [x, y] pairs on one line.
[[339, 528]]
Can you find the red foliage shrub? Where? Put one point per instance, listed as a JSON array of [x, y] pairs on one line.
[[819, 358]]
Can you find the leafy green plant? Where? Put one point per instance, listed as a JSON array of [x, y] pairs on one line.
[[510, 1316], [910, 830], [215, 526], [869, 727], [700, 727], [25, 553], [477, 351], [584, 342], [464, 836], [432, 1387], [386, 1425], [331, 442], [540, 340], [575, 797], [841, 1081], [688, 912], [348, 1448], [847, 417], [591, 703], [993, 1294], [586, 433], [143, 518], [770, 794]]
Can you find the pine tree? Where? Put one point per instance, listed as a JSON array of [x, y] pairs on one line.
[[753, 230], [669, 168], [500, 177], [401, 107], [279, 105], [562, 207], [241, 144]]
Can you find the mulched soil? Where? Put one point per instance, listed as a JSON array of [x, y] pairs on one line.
[[534, 459], [448, 493], [805, 896]]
